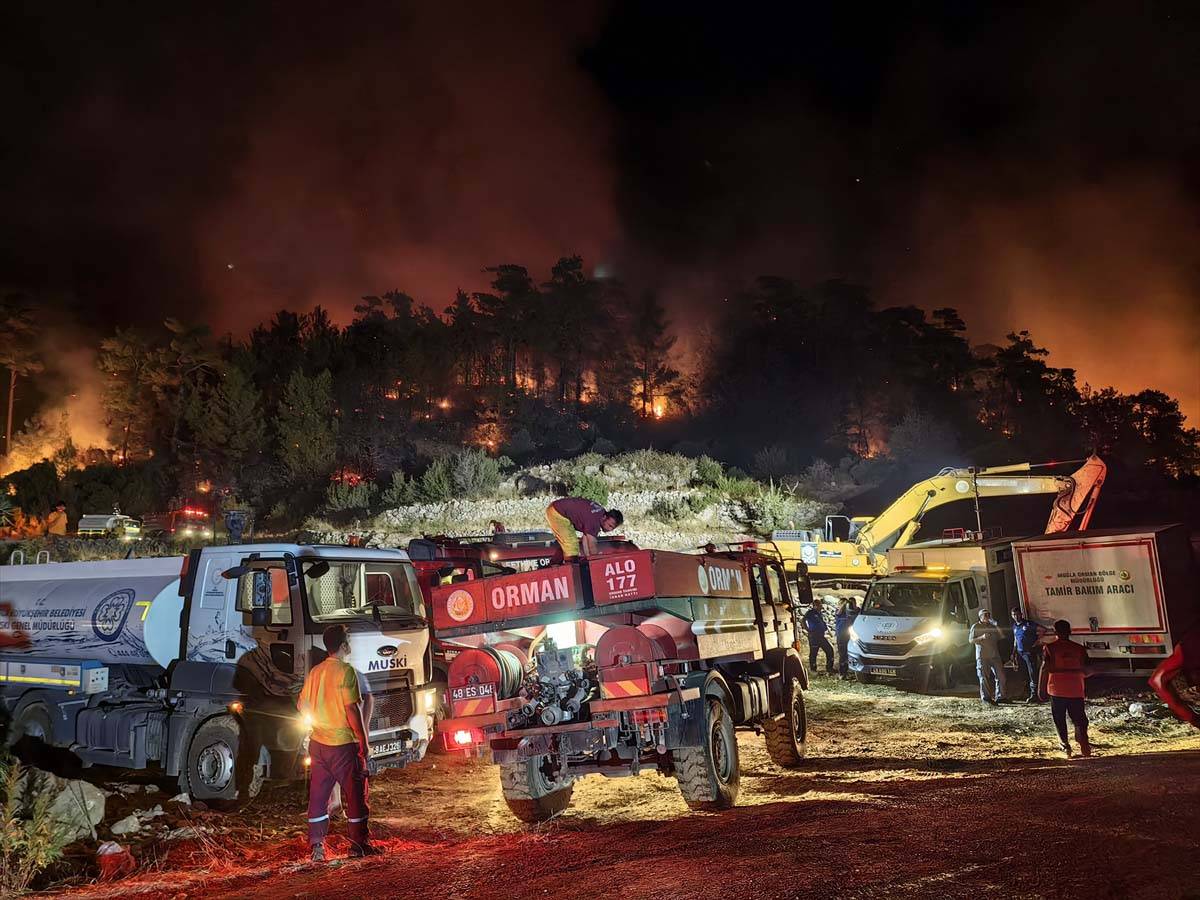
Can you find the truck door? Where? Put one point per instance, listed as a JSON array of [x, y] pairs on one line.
[[956, 621], [278, 662]]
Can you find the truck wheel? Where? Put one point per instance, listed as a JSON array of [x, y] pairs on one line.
[[530, 793], [708, 776], [32, 722], [785, 733], [220, 766]]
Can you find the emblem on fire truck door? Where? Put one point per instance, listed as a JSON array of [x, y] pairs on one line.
[[459, 605], [702, 577]]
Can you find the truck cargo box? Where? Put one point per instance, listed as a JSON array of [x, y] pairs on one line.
[[1127, 593]]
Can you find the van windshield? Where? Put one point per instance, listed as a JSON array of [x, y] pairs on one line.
[[903, 598], [352, 589]]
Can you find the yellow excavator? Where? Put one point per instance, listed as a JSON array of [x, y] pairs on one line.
[[854, 550]]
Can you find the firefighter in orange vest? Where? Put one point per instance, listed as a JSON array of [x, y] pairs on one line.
[[337, 747]]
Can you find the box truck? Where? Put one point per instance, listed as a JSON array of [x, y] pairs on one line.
[[1129, 594]]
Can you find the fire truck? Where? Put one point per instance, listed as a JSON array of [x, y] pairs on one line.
[[627, 661], [441, 560]]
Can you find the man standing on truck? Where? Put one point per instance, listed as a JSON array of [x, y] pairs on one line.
[[815, 627], [569, 515], [1063, 671], [1025, 648], [986, 638], [337, 747]]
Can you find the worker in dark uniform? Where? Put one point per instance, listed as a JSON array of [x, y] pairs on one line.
[[816, 628], [1064, 668], [569, 515], [1025, 648], [337, 747], [847, 612]]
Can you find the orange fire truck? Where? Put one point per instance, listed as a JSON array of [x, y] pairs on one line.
[[630, 660]]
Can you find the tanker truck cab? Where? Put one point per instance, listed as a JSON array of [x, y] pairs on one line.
[[913, 628], [286, 601], [191, 665]]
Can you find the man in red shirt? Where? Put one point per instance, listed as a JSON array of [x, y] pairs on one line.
[[1063, 673], [1180, 673], [571, 514]]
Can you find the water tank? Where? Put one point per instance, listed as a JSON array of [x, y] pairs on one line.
[[117, 612]]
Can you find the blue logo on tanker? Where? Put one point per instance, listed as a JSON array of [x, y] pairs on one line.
[[111, 613]]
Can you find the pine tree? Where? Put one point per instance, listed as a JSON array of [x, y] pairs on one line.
[[306, 426], [651, 347], [229, 427]]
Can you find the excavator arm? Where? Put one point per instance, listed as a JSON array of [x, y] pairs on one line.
[[896, 525]]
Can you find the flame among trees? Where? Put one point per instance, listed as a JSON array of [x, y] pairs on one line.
[[570, 364]]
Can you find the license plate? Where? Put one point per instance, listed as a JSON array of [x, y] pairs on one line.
[[387, 748], [885, 671], [472, 691]]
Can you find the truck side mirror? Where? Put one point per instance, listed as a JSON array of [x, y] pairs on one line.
[[260, 598]]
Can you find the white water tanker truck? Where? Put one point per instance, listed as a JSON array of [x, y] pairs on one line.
[[191, 665]]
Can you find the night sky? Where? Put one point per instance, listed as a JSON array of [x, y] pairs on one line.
[[1036, 167]]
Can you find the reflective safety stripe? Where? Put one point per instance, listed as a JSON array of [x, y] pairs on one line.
[[363, 819], [320, 818]]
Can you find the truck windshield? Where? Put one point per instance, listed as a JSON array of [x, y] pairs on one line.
[[358, 588], [903, 598]]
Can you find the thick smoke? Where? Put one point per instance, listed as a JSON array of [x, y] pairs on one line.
[[1104, 275], [438, 146]]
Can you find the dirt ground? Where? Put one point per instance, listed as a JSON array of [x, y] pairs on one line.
[[901, 796]]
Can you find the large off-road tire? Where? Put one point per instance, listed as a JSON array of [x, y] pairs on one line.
[[785, 733], [221, 768], [708, 776], [531, 795]]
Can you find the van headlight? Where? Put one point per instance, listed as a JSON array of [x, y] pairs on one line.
[[853, 634], [928, 637]]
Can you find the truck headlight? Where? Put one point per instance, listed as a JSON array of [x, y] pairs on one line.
[[306, 721], [430, 702], [928, 637]]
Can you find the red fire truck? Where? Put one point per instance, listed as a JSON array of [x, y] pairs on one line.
[[630, 660], [442, 560]]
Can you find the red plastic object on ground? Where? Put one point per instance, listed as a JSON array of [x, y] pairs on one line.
[[1178, 673], [115, 861]]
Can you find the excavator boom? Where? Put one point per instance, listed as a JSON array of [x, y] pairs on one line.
[[863, 555]]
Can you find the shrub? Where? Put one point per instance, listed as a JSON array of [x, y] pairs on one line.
[[437, 482], [29, 840], [702, 500], [604, 447], [665, 469], [342, 497], [520, 444], [669, 509], [593, 487], [772, 508], [709, 472], [401, 492], [772, 461], [475, 474]]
